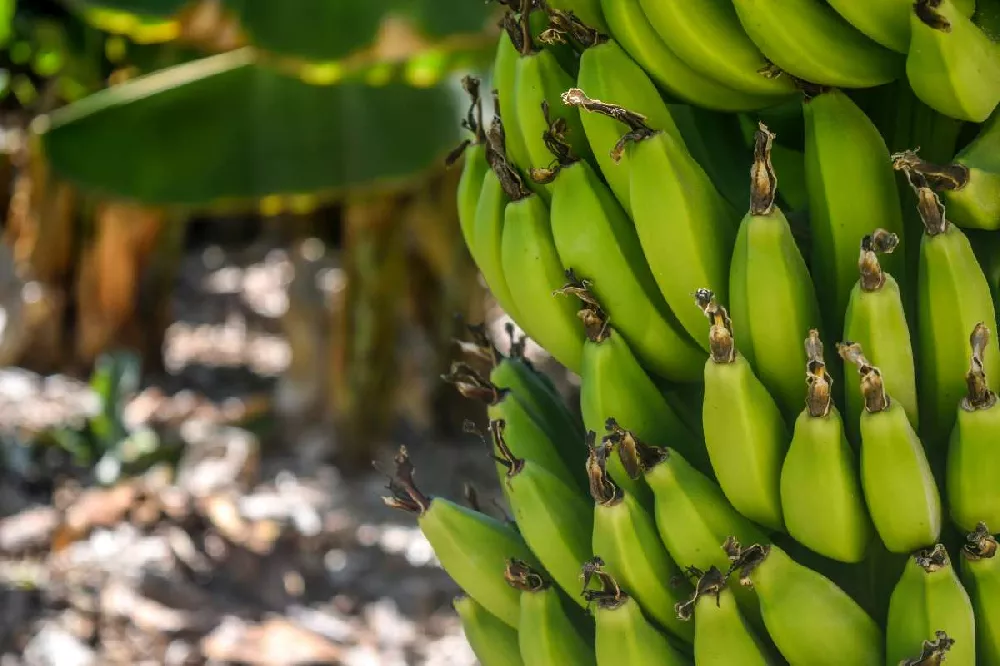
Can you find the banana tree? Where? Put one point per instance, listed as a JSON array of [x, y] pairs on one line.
[[244, 106]]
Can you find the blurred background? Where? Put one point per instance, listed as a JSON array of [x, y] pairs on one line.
[[231, 277]]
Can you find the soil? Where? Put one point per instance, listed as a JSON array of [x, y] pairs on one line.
[[245, 545]]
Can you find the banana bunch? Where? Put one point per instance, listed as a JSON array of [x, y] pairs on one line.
[[766, 237]]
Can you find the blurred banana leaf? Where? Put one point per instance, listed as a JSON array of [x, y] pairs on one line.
[[228, 128], [318, 31], [6, 17]]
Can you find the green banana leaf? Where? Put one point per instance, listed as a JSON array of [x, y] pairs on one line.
[[229, 129], [318, 31]]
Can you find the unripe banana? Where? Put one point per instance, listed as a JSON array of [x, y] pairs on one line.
[[772, 298], [614, 389], [493, 642], [532, 436], [531, 386], [876, 321], [951, 64], [504, 84], [953, 296], [980, 570], [634, 33], [540, 80], [835, 55], [850, 181], [745, 435], [623, 636], [819, 476], [928, 598], [595, 239], [810, 619], [470, 545], [626, 538], [887, 21], [899, 487], [470, 184], [555, 519], [708, 36], [694, 248], [721, 635], [607, 72], [692, 514], [487, 232], [974, 448], [528, 254], [549, 630], [969, 186]]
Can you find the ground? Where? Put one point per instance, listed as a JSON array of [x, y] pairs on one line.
[[253, 551]]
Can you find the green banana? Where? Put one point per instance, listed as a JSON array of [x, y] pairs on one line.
[[810, 619], [715, 141], [623, 636], [849, 180], [819, 476], [721, 635], [625, 536], [504, 83], [634, 33], [539, 82], [534, 388], [929, 597], [555, 519], [613, 385], [876, 320], [835, 54], [970, 185], [487, 232], [547, 632], [493, 642], [470, 183], [745, 435], [527, 251], [900, 492], [951, 64], [533, 436], [595, 238], [693, 249], [609, 73], [708, 36], [980, 569], [692, 514], [887, 21], [974, 448], [470, 545], [772, 298], [953, 296]]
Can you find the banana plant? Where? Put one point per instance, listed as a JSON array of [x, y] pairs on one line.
[[222, 106]]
